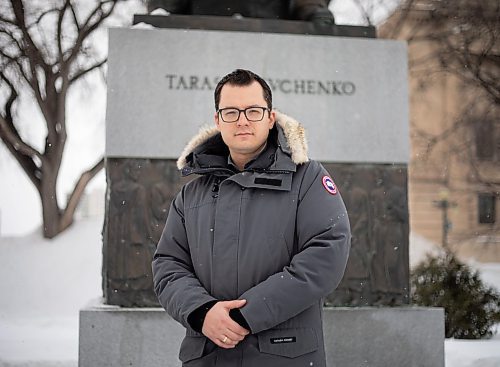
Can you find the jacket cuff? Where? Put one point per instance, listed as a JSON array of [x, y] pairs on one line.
[[197, 317], [252, 314], [237, 316]]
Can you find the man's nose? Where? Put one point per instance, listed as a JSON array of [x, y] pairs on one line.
[[242, 120]]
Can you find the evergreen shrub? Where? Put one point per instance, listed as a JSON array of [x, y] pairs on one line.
[[471, 308]]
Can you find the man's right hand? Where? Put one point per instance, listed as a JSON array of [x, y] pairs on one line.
[[220, 328]]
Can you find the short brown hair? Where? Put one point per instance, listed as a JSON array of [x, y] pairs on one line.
[[243, 77]]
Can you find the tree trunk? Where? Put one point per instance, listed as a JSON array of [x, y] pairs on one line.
[[51, 213]]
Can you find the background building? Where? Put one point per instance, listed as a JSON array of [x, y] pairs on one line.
[[454, 172]]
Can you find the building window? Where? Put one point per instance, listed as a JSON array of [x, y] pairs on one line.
[[486, 207], [497, 141], [485, 140]]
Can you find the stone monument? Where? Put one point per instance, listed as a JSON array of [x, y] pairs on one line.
[[355, 110]]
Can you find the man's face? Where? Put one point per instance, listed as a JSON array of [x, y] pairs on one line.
[[244, 137]]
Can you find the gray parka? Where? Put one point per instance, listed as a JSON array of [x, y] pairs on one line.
[[276, 234]]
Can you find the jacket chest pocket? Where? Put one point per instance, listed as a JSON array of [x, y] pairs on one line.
[[268, 217], [291, 343]]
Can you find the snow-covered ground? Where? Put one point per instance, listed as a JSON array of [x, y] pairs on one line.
[[45, 283]]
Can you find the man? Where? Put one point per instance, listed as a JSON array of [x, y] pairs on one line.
[[250, 248]]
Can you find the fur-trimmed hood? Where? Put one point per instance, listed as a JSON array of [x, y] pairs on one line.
[[291, 135]]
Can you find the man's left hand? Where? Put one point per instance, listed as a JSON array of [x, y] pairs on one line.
[[220, 328]]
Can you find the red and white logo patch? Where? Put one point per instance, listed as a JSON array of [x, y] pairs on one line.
[[329, 185]]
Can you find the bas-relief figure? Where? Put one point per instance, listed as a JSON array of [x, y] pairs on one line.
[[390, 216], [358, 272], [377, 272], [128, 203], [140, 193], [310, 10], [162, 194]]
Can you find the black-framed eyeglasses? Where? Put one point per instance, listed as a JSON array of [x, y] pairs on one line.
[[232, 114]]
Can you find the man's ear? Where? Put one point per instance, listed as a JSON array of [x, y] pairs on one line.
[[216, 120], [272, 119]]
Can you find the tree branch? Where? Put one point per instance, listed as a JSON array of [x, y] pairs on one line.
[[26, 162], [16, 61], [401, 20], [8, 21], [59, 35], [22, 152], [34, 55], [40, 17], [364, 12], [81, 73], [88, 27], [9, 131], [12, 38], [32, 51], [75, 18], [74, 199], [11, 135]]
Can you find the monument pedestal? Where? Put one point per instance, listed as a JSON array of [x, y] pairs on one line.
[[114, 336]]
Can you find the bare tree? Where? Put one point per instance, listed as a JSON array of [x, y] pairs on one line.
[[466, 35], [45, 49], [464, 42]]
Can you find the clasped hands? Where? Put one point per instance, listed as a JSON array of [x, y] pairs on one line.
[[220, 328]]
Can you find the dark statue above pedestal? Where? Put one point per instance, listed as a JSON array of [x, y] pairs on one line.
[[310, 10], [290, 17]]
